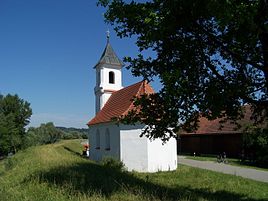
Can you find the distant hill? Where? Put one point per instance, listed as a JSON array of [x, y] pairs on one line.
[[82, 130]]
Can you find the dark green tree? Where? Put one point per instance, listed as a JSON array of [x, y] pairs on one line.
[[255, 142], [210, 56], [4, 135], [15, 114]]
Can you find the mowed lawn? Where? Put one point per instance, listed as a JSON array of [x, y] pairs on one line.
[[58, 172]]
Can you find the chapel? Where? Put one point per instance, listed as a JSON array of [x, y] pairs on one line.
[[107, 138]]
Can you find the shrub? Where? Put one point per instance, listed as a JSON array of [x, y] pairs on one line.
[[112, 163]]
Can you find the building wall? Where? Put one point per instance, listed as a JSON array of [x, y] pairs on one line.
[[211, 144], [137, 153], [162, 157], [102, 152], [143, 155], [134, 152]]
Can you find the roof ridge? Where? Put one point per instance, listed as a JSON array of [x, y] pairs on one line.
[[127, 87]]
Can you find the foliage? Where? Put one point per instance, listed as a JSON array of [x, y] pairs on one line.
[[210, 56], [255, 140], [74, 133], [112, 163], [15, 114], [53, 172], [44, 134], [47, 133]]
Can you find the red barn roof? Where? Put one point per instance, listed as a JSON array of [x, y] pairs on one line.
[[121, 102]]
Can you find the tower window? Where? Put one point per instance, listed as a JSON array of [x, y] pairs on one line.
[[111, 77]]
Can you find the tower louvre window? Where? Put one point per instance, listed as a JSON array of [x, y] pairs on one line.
[[111, 77]]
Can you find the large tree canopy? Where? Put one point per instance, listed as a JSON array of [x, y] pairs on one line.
[[14, 116], [210, 56]]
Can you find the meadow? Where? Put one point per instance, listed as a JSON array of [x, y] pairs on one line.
[[58, 172]]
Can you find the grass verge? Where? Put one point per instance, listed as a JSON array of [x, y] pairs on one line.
[[58, 172]]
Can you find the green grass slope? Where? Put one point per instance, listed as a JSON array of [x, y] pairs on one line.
[[58, 172]]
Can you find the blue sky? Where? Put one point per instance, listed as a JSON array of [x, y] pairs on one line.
[[48, 49]]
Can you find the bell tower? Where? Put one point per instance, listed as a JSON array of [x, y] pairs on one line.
[[108, 75]]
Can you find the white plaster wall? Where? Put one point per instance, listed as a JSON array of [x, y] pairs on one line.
[[133, 148], [162, 157], [139, 154], [98, 154]]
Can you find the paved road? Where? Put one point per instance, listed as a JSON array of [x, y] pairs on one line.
[[257, 175]]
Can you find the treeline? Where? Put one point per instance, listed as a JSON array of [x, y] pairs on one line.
[[47, 133], [74, 133], [15, 115]]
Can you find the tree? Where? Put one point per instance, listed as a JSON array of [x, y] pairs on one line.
[[255, 142], [15, 114], [210, 56], [4, 136], [44, 134]]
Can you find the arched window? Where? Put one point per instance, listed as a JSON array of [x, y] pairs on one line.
[[111, 77], [107, 140], [98, 139]]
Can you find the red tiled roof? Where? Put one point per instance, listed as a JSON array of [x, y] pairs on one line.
[[120, 102], [214, 126]]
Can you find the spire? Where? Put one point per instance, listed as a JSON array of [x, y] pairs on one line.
[[109, 56]]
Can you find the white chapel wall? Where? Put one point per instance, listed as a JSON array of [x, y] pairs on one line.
[[102, 152], [134, 153], [162, 157], [137, 153]]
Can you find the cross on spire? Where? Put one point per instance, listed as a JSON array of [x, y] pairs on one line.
[[108, 35]]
